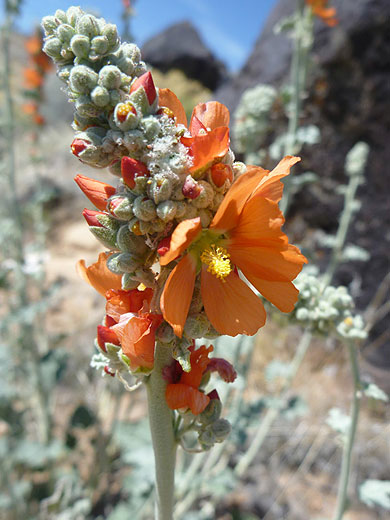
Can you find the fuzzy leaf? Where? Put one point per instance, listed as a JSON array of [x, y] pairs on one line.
[[375, 493], [372, 390]]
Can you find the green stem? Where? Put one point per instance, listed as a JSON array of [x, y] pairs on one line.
[[347, 451], [272, 413], [342, 230], [163, 438]]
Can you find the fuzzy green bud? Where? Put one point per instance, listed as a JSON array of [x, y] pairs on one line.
[[123, 263], [110, 77], [160, 188], [221, 429], [100, 96], [82, 79], [128, 282], [106, 236], [207, 438], [212, 412], [130, 243], [166, 210], [80, 45], [196, 326], [111, 33], [65, 32], [87, 24], [206, 196], [126, 65], [72, 14], [99, 45], [165, 333], [60, 15], [53, 48], [85, 108], [144, 209], [49, 25], [64, 73]]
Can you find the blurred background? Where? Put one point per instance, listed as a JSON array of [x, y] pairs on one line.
[[73, 444]]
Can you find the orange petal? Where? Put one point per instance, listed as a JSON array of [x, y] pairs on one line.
[[98, 275], [184, 234], [166, 98], [138, 340], [98, 192], [270, 186], [205, 148], [283, 295], [231, 306], [182, 396], [211, 114], [259, 224], [177, 294], [272, 264], [199, 360], [229, 211]]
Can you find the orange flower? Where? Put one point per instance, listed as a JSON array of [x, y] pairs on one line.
[[209, 140], [32, 78], [99, 276], [327, 14], [137, 334], [245, 233], [98, 192], [183, 387]]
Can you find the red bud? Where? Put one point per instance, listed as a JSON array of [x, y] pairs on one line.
[[163, 246], [97, 192], [78, 145], [220, 172], [109, 371], [191, 189], [124, 110], [131, 169], [145, 81], [91, 217]]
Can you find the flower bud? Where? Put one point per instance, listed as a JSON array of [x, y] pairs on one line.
[[196, 326], [144, 209], [220, 173], [160, 188], [121, 207], [49, 25], [65, 32], [106, 335], [207, 438], [102, 226], [111, 33], [165, 333], [97, 192], [134, 226], [53, 48], [80, 45], [146, 83], [130, 243], [64, 73], [166, 210], [128, 282], [126, 65], [150, 127], [224, 368], [131, 169], [212, 411], [205, 197], [108, 371], [72, 14], [165, 111], [123, 263], [60, 15], [110, 77], [100, 96], [221, 429], [125, 116], [99, 46], [82, 79], [85, 108], [191, 188], [87, 24]]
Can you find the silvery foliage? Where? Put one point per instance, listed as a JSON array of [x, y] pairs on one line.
[[326, 309]]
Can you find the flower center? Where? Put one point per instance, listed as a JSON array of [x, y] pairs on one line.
[[217, 261]]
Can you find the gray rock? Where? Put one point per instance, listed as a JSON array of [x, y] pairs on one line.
[[180, 47]]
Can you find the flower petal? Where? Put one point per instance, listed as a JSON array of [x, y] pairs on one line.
[[283, 295], [98, 275], [229, 211], [270, 186], [166, 98], [184, 234], [182, 396], [98, 192], [211, 114], [231, 306], [199, 360], [177, 294], [205, 148]]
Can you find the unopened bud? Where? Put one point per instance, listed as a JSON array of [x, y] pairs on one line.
[[220, 173], [144, 209], [72, 14], [120, 263], [82, 79], [191, 189], [166, 210], [221, 429], [102, 226], [121, 207], [78, 146], [61, 16], [100, 96], [110, 77], [160, 188], [49, 25], [53, 48], [212, 411], [99, 45], [111, 33], [80, 45], [131, 169], [145, 82], [130, 243], [65, 32], [205, 197], [128, 282], [125, 116], [87, 24], [165, 333]]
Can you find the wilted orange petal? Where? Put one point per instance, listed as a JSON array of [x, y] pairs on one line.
[[205, 148], [183, 235], [199, 360], [138, 342], [183, 396], [229, 211], [177, 294], [166, 98], [231, 306], [98, 275], [211, 114], [270, 186]]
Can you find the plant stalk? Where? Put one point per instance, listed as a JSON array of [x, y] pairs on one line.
[[347, 450], [163, 438]]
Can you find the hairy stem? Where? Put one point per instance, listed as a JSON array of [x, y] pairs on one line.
[[163, 438]]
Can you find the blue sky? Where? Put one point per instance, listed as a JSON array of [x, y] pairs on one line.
[[228, 27]]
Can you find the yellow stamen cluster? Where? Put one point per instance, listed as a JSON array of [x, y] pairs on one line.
[[217, 260]]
